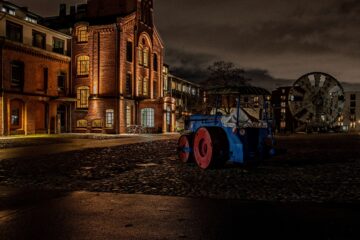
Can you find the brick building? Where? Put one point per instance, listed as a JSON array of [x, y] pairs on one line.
[[117, 59], [34, 76], [283, 119], [349, 119], [188, 97]]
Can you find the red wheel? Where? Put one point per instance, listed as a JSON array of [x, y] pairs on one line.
[[211, 147], [184, 148], [203, 148]]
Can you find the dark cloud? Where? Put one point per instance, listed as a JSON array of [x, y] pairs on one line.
[[288, 38]]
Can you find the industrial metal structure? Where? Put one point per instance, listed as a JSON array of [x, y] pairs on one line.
[[316, 100], [238, 137]]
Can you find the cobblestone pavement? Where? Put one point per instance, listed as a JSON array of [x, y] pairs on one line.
[[316, 168]]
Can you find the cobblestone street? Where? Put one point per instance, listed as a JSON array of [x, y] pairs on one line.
[[316, 168]]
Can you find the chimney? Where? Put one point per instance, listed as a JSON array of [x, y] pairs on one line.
[[72, 10], [62, 12]]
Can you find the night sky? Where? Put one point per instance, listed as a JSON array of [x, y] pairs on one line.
[[273, 40]]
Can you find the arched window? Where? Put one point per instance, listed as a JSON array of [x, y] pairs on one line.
[[81, 123], [82, 97], [82, 34], [147, 117], [83, 63]]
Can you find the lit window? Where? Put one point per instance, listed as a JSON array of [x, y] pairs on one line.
[[128, 116], [81, 123], [83, 63], [282, 124], [30, 19], [145, 87], [256, 99], [109, 118], [140, 86], [166, 83], [146, 57], [15, 117], [97, 123], [82, 34], [147, 117], [11, 12], [173, 85], [140, 56], [193, 91], [283, 110], [82, 97]]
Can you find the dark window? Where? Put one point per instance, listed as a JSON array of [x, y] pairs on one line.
[[58, 45], [15, 117], [246, 99], [39, 39], [155, 63], [129, 51], [46, 78], [352, 97], [14, 32], [17, 74], [61, 81], [352, 104], [128, 84], [352, 110]]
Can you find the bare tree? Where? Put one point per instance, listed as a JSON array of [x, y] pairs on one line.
[[224, 74]]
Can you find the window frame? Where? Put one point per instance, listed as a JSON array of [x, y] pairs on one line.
[[148, 117], [60, 50], [19, 72], [82, 70], [41, 45], [82, 97], [82, 34], [14, 27], [109, 118], [84, 125], [64, 76]]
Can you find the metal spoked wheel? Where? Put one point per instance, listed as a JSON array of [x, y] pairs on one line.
[[185, 151], [211, 148], [316, 99]]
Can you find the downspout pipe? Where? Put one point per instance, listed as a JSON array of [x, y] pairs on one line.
[[117, 84]]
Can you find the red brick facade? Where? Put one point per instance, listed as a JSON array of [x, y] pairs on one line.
[[33, 107], [124, 74]]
